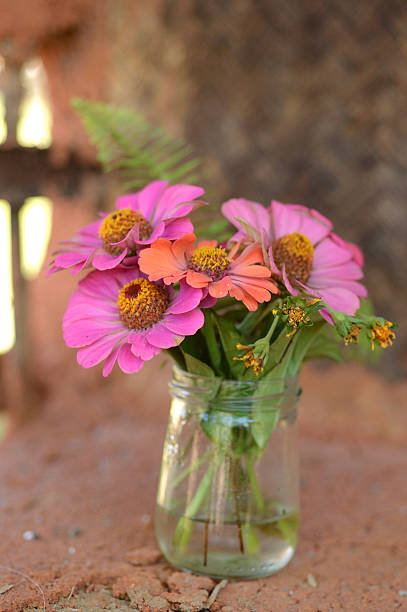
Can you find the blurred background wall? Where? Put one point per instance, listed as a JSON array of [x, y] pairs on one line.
[[298, 101]]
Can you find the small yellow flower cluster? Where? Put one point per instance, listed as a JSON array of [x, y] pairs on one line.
[[250, 361], [296, 316], [382, 334], [352, 335]]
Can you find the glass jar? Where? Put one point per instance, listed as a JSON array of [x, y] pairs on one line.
[[227, 503]]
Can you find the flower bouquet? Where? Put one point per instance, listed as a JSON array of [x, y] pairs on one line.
[[238, 318]]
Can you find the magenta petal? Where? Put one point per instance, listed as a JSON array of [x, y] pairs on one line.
[[148, 198], [353, 286], [128, 362], [102, 285], [185, 300], [110, 361], [172, 198], [80, 266], [347, 271], [156, 233], [208, 301], [90, 233], [86, 331], [104, 261], [327, 254], [338, 298], [273, 266], [256, 215], [353, 248], [161, 337], [130, 200], [66, 260], [95, 353], [287, 283], [140, 346], [186, 324], [287, 219], [325, 314], [177, 228]]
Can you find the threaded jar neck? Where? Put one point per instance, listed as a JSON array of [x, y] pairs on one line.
[[234, 395]]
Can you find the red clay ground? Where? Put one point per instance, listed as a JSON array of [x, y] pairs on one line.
[[83, 478]]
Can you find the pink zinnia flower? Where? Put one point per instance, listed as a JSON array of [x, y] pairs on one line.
[[119, 315], [209, 266], [140, 218], [303, 252]]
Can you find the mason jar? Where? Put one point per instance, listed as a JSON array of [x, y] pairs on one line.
[[228, 497]]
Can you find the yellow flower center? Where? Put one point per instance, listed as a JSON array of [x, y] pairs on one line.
[[117, 225], [212, 261], [296, 252], [383, 334], [142, 303]]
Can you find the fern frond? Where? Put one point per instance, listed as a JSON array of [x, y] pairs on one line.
[[139, 151]]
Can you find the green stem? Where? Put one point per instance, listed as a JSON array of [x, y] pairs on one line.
[[195, 465], [272, 328], [254, 483], [176, 353], [208, 332], [263, 315], [184, 527], [235, 486]]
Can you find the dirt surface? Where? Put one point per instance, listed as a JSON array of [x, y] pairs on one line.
[[82, 477]]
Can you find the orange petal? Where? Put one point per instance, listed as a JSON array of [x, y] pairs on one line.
[[220, 288], [207, 243], [158, 261], [253, 270], [252, 254], [246, 298], [183, 246], [197, 280]]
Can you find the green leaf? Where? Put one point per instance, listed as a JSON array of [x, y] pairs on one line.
[[303, 339], [176, 353], [230, 338], [140, 151], [194, 346], [195, 366], [277, 350], [323, 347], [208, 332], [264, 423], [268, 396]]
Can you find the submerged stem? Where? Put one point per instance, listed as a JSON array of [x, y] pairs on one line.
[[235, 485], [258, 497], [195, 465], [184, 527]]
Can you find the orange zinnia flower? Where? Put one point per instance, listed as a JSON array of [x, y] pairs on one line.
[[207, 265]]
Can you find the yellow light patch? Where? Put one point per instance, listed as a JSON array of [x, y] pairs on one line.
[[7, 326], [34, 128], [35, 222]]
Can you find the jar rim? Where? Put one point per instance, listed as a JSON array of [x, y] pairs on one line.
[[233, 393], [177, 369]]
